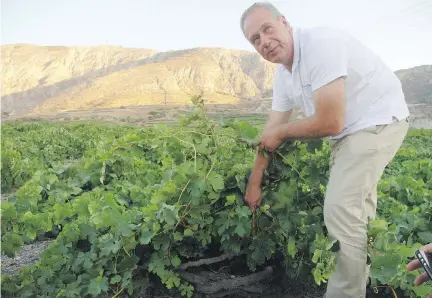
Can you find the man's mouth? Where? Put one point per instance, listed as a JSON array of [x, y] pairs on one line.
[[272, 50]]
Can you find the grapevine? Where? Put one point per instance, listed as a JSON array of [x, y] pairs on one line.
[[165, 204]]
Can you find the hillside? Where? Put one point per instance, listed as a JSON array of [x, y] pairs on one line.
[[417, 83], [40, 79], [76, 78]]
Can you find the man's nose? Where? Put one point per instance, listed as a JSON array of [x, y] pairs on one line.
[[266, 42]]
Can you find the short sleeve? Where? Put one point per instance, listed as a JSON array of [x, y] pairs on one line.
[[281, 101], [326, 59]]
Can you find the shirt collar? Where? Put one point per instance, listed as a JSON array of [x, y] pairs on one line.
[[296, 48]]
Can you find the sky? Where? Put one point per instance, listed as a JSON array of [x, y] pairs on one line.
[[399, 31]]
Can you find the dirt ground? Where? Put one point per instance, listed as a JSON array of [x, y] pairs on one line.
[[148, 115]]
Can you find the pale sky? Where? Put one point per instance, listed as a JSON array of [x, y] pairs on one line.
[[400, 31]]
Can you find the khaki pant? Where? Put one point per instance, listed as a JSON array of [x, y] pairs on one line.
[[357, 163]]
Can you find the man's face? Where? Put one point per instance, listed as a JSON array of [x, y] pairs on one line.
[[271, 37]]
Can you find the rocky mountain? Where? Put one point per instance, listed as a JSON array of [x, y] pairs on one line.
[[417, 84], [50, 79], [42, 79]]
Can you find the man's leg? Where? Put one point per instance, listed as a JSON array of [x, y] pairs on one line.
[[358, 163]]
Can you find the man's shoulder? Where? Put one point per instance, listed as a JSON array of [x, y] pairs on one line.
[[321, 33]]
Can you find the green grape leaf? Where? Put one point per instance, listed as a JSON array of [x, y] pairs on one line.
[[216, 181], [98, 285]]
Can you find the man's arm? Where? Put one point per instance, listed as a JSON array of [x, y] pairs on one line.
[[253, 191], [275, 120], [328, 119]]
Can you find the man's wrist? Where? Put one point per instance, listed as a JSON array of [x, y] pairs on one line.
[[283, 131], [261, 165], [255, 177]]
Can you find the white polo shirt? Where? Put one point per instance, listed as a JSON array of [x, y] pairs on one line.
[[373, 92]]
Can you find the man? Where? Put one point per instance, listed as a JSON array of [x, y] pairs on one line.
[[347, 94]]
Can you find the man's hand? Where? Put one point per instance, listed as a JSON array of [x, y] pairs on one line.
[[415, 264], [272, 139], [253, 196], [253, 188], [269, 140]]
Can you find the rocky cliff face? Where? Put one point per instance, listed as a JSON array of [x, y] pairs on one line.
[[46, 79], [39, 79], [417, 84], [28, 66]]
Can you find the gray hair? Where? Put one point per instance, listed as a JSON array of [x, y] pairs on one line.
[[266, 5]]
